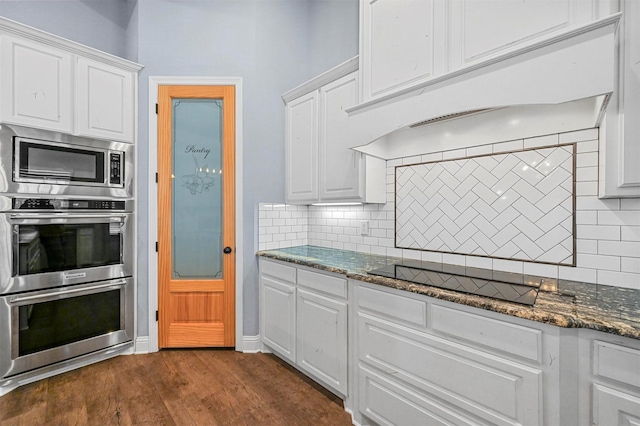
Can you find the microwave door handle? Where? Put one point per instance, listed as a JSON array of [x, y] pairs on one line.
[[56, 294]]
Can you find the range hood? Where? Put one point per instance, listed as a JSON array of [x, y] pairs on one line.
[[558, 84]]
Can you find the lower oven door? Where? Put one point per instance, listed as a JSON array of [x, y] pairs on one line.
[[45, 327], [44, 250]]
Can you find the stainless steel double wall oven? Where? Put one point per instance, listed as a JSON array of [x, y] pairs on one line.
[[66, 249]]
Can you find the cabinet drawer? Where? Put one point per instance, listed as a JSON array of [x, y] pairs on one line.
[[503, 392], [513, 339], [393, 306], [612, 407], [286, 273], [616, 362], [331, 285], [387, 402]]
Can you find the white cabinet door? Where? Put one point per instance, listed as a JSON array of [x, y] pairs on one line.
[[104, 101], [302, 149], [279, 316], [341, 169], [614, 408], [322, 339], [36, 85], [401, 43]]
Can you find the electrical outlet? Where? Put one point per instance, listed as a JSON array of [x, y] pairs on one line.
[[364, 227]]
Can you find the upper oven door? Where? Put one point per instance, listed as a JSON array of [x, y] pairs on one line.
[[45, 250]]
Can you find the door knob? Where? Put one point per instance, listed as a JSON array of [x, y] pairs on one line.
[[227, 250]]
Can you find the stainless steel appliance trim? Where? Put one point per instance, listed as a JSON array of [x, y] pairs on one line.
[[59, 293], [11, 364], [11, 282], [58, 187], [74, 217]]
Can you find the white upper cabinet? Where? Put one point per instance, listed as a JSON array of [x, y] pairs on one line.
[[35, 84], [320, 167], [302, 148], [402, 42], [51, 83], [620, 134], [104, 101], [406, 42], [341, 171]]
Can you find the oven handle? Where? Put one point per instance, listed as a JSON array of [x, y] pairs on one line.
[[18, 299], [66, 216]]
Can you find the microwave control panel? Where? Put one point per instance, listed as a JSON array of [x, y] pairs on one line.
[[56, 204], [115, 168]]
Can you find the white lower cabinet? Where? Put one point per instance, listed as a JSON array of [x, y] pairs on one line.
[[451, 378], [609, 380], [304, 320], [278, 308], [400, 358]]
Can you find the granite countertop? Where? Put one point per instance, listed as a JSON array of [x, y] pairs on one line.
[[568, 304]]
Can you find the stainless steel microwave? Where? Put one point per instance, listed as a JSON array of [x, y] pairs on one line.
[[42, 162]]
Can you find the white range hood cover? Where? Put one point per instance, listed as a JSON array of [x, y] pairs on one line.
[[558, 84]]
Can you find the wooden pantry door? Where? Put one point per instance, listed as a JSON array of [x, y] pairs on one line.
[[196, 210]]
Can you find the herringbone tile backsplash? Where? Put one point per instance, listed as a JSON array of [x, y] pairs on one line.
[[516, 205]]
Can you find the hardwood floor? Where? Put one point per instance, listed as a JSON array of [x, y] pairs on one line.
[[176, 387]]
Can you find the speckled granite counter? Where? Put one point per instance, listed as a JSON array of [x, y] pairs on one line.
[[573, 305]]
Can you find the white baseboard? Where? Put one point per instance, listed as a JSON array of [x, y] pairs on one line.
[[142, 345], [251, 344]]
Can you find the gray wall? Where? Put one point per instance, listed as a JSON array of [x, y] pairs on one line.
[[274, 45], [97, 23], [268, 44]]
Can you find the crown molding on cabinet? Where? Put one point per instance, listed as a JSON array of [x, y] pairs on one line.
[[334, 73], [43, 37]]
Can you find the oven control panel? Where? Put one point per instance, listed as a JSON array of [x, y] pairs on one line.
[[56, 204]]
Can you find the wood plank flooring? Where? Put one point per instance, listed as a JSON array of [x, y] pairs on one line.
[[176, 387]]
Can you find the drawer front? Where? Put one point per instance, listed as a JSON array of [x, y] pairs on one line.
[[401, 308], [277, 270], [615, 408], [616, 362], [327, 284], [512, 339], [389, 403], [503, 392]]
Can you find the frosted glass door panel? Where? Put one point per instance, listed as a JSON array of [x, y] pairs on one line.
[[197, 189]]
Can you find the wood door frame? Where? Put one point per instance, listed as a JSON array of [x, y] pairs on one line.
[[152, 215]]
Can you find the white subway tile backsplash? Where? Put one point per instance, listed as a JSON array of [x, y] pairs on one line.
[[590, 146], [619, 279], [607, 237], [587, 159], [591, 261], [630, 264], [628, 217], [454, 153], [619, 248], [578, 274], [630, 204], [587, 246], [598, 232], [479, 150], [585, 174], [541, 141], [594, 203], [630, 233], [428, 158], [516, 145], [579, 136]]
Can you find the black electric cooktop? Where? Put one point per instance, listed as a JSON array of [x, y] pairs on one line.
[[510, 287]]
